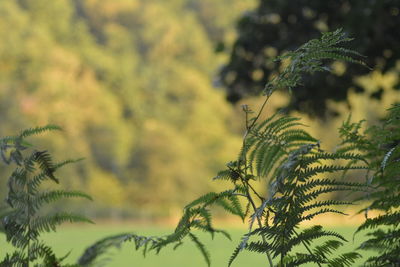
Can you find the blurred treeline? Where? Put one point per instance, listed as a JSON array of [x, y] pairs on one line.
[[130, 82]]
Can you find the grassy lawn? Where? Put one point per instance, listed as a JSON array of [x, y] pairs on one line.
[[77, 238]]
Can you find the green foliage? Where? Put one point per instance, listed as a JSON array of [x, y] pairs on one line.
[[384, 229], [117, 80], [292, 199], [94, 255], [279, 152], [310, 58], [295, 174], [24, 221], [273, 26]]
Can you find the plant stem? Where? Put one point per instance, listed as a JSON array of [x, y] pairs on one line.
[[258, 220], [258, 115], [29, 224], [255, 192], [245, 183]]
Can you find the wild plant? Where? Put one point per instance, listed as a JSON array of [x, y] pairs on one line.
[[24, 222], [296, 173], [281, 178], [380, 146]]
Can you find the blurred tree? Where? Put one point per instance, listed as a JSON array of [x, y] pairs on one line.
[[217, 22], [132, 91], [277, 25]]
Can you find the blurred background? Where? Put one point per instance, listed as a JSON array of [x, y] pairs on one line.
[[149, 91]]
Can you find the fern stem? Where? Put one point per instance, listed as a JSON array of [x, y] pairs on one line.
[[245, 184], [29, 223], [302, 241], [254, 191], [258, 114], [263, 238]]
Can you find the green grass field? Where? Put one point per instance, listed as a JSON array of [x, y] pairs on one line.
[[77, 238]]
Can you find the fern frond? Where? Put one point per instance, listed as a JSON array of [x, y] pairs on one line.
[[206, 199], [325, 203], [227, 175], [324, 190], [306, 160], [259, 247], [17, 258], [92, 253], [271, 159], [232, 205], [327, 248], [242, 245], [202, 248], [43, 159], [38, 130], [24, 223], [66, 162], [315, 182], [234, 255], [385, 203], [49, 223], [386, 219], [331, 55], [52, 196], [227, 200], [312, 171], [346, 259], [309, 235], [269, 142]]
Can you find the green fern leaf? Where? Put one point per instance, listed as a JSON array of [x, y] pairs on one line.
[[202, 248]]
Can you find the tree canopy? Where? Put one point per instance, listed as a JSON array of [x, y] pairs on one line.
[[131, 91], [276, 26]]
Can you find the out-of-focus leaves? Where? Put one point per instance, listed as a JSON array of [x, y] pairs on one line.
[[276, 26], [132, 92]]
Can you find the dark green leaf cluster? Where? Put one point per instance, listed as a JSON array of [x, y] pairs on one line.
[[311, 58], [384, 156], [293, 197], [269, 142], [274, 26], [280, 151], [24, 222]]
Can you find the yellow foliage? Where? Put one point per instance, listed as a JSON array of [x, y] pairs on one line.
[[130, 81], [105, 188], [111, 8]]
